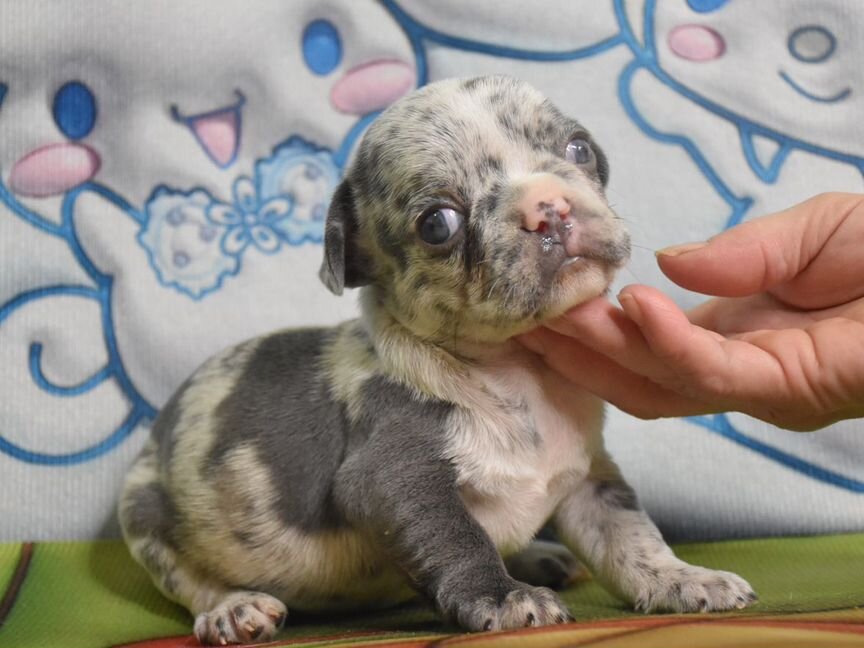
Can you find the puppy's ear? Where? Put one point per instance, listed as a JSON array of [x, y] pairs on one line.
[[345, 264]]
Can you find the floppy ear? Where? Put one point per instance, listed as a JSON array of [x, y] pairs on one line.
[[345, 265]]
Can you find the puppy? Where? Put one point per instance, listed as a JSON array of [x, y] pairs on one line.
[[408, 450]]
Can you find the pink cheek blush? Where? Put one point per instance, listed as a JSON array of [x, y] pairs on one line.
[[372, 86], [696, 43]]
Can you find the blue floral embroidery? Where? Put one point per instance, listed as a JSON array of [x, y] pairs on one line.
[[194, 241], [308, 176], [183, 244], [249, 219]]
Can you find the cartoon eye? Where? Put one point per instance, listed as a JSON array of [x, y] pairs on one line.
[[705, 6], [74, 110], [811, 44], [322, 47], [579, 151], [439, 225]]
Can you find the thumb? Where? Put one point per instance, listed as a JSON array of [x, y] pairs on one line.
[[760, 254]]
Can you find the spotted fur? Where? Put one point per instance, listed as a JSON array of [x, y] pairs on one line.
[[409, 450]]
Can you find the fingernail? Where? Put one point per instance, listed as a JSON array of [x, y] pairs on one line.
[[631, 307], [678, 250]]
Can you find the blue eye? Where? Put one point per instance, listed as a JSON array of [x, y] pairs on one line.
[[74, 110], [322, 47], [578, 151], [440, 225], [705, 6]]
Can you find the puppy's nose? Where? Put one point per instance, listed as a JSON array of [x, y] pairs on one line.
[[542, 204]]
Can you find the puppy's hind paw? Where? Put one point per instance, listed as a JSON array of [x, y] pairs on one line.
[[241, 618], [546, 564], [694, 589]]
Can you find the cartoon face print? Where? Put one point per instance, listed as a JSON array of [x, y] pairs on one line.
[[193, 155], [134, 101], [794, 67]]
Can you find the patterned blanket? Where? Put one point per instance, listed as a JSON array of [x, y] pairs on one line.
[[91, 595]]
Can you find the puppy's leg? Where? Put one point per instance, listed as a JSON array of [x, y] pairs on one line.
[[406, 499], [546, 564], [147, 518], [602, 522]]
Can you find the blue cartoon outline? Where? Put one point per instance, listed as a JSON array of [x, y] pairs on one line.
[[100, 292], [419, 37], [836, 98]]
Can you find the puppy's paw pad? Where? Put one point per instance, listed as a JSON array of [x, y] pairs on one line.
[[695, 589], [241, 618], [523, 607]]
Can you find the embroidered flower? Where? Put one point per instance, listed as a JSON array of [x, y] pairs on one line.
[[250, 219], [307, 176], [194, 240], [182, 244]]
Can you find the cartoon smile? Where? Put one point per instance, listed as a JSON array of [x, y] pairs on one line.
[[217, 131], [839, 96]]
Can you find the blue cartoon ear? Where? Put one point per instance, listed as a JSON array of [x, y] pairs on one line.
[[705, 6], [74, 110], [322, 47]]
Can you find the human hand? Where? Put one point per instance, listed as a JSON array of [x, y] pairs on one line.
[[783, 341]]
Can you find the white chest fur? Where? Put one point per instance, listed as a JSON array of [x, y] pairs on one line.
[[526, 438]]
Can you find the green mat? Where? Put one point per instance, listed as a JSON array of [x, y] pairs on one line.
[[87, 595]]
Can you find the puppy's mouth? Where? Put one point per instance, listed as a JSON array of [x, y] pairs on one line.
[[574, 250], [569, 261]]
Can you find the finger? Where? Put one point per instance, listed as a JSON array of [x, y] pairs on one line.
[[596, 373], [762, 253], [604, 328], [734, 315], [761, 372]]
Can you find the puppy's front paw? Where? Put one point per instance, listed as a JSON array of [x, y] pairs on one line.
[[242, 617], [686, 588], [522, 607]]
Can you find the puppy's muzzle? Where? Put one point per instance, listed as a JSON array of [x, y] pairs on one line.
[[572, 219]]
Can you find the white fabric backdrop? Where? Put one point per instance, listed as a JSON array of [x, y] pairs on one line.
[[165, 166]]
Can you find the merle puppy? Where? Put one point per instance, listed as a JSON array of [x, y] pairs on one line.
[[408, 450]]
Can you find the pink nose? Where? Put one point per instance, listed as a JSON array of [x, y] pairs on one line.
[[53, 169], [542, 204], [372, 86]]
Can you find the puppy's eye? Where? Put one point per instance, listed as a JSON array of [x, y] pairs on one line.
[[579, 151], [439, 225]]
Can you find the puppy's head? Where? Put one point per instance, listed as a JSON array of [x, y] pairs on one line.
[[477, 210]]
